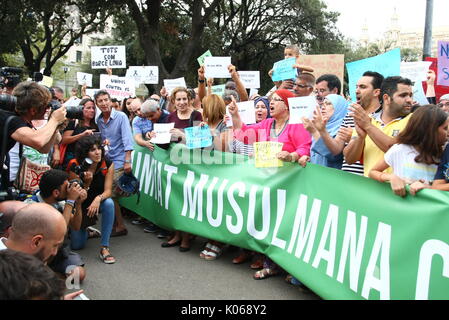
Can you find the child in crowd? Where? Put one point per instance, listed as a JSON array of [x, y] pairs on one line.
[[415, 158]]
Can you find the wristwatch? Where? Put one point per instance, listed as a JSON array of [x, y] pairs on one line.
[[72, 204], [127, 161]]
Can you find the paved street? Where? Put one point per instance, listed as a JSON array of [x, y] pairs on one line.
[[144, 270]]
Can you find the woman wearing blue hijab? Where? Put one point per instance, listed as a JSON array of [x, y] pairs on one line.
[[334, 109]]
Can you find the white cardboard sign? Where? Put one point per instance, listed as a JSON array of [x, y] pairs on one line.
[[217, 67], [118, 87], [171, 84], [145, 74], [162, 131], [84, 79], [103, 57], [250, 79], [247, 112], [301, 107]]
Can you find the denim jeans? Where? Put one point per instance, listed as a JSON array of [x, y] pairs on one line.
[[79, 238]]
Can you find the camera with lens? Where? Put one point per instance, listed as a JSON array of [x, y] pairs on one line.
[[9, 77], [78, 181], [8, 103], [72, 112], [81, 169]]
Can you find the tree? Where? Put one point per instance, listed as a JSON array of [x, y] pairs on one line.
[[173, 33], [45, 30], [150, 26]]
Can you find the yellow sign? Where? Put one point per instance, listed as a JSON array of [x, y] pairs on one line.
[[265, 154], [47, 81]]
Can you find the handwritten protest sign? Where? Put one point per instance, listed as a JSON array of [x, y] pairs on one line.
[[145, 74], [387, 64], [198, 137], [416, 72], [218, 89], [443, 63], [283, 70], [162, 131], [113, 57], [118, 87], [84, 79], [247, 112], [250, 79], [301, 107], [203, 56], [171, 84], [217, 67], [325, 64], [265, 154]]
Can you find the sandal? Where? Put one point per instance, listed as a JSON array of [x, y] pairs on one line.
[[213, 253], [108, 258], [264, 273], [93, 233], [241, 258], [206, 250]]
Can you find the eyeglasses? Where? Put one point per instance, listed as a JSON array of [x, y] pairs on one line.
[[277, 99], [302, 86], [446, 104]]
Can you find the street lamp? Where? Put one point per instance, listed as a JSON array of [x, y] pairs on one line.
[[65, 69], [427, 50]]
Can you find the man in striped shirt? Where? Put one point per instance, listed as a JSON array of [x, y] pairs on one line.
[[368, 98]]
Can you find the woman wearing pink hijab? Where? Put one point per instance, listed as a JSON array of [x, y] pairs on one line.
[[295, 137]]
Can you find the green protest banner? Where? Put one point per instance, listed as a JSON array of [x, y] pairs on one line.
[[342, 235]]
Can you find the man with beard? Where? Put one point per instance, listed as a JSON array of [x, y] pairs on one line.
[[37, 229], [374, 135], [56, 191]]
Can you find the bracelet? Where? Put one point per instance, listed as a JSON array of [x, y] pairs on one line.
[[201, 81], [101, 197], [127, 161], [70, 203]]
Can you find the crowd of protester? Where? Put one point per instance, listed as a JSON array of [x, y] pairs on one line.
[[383, 135]]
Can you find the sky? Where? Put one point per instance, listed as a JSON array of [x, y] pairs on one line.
[[377, 14]]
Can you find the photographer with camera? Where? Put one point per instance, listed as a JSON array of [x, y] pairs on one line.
[[66, 196], [29, 102], [97, 174]]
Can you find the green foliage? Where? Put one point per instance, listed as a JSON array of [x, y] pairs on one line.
[[45, 30]]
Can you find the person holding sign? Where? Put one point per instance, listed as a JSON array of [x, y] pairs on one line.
[[184, 116], [295, 137], [296, 145], [327, 119]]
